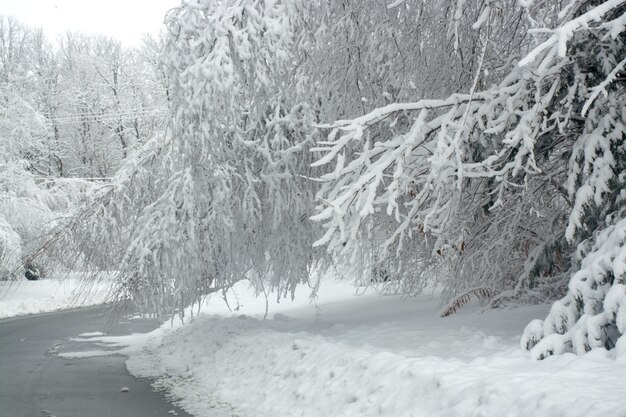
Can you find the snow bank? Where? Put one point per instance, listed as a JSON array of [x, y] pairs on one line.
[[31, 297], [368, 356]]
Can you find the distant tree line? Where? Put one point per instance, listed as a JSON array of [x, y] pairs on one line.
[[71, 110]]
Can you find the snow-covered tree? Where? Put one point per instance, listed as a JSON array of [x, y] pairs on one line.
[[504, 183], [483, 177], [388, 157], [224, 194], [590, 315]]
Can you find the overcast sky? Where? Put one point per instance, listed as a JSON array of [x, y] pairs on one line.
[[125, 20]]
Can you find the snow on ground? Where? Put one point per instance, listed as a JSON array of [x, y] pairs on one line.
[[366, 356], [31, 297]]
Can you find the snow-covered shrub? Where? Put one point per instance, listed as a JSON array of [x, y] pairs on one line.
[[29, 210], [10, 250], [25, 215]]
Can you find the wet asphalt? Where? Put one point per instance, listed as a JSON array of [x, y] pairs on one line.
[[36, 382]]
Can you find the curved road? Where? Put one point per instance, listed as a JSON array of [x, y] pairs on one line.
[[35, 382]]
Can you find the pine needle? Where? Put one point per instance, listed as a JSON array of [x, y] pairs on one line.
[[458, 302]]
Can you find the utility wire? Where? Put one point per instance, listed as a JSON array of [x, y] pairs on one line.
[[108, 113], [105, 117]]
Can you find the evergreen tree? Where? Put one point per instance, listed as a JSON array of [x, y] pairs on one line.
[[590, 315]]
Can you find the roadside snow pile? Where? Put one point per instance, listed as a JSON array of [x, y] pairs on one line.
[[367, 356], [31, 297]]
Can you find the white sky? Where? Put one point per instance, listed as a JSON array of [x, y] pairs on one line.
[[125, 20]]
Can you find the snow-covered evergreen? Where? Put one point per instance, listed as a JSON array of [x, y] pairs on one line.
[[591, 314]]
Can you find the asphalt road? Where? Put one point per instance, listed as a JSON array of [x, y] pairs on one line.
[[35, 382]]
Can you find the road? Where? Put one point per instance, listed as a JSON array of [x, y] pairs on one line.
[[35, 382]]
